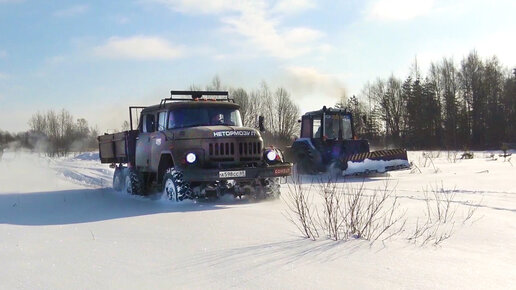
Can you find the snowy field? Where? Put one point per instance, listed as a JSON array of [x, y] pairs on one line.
[[62, 227]]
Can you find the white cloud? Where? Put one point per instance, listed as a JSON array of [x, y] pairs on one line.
[[72, 11], [3, 76], [292, 6], [258, 22], [399, 10], [139, 48], [201, 6], [302, 34], [487, 45]]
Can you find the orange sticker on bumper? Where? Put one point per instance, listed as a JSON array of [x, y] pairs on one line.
[[280, 171]]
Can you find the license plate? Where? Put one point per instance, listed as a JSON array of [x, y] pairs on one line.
[[231, 174]]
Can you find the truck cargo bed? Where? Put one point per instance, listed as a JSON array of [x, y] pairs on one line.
[[118, 147]]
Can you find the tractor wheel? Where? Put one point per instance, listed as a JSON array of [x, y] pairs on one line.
[[175, 188], [118, 179], [134, 183], [336, 169], [305, 160]]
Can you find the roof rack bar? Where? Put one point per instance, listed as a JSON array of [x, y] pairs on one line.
[[195, 95], [199, 93]]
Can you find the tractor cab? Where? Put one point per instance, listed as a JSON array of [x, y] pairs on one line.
[[327, 124]]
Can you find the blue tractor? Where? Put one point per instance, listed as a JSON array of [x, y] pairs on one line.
[[328, 141]]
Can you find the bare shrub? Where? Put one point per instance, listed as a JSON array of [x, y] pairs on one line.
[[429, 159], [333, 213], [351, 212], [301, 210], [415, 168], [440, 218], [451, 156], [372, 217], [346, 212], [442, 207], [472, 209]]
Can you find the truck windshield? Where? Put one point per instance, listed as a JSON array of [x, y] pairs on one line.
[[207, 116]]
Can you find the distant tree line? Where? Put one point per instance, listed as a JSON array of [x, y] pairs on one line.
[[53, 133], [470, 104], [14, 140], [58, 133]]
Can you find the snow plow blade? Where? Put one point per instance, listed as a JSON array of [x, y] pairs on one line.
[[376, 162]]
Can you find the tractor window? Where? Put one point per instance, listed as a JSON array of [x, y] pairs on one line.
[[317, 128], [162, 121], [346, 127], [305, 128], [148, 123], [331, 126]]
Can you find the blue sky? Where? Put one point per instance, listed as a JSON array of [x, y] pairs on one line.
[[94, 58]]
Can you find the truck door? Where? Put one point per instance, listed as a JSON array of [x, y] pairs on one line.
[[143, 142], [157, 142]]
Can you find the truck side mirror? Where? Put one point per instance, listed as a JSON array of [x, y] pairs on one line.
[[261, 126]]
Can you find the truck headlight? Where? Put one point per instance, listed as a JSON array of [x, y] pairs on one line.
[[271, 155], [191, 157]]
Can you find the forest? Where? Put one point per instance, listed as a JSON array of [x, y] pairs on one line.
[[456, 105]]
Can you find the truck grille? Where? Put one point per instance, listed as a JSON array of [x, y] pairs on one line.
[[228, 151], [249, 148]]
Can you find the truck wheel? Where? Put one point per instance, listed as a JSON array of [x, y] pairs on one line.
[[134, 182], [272, 187], [118, 179], [174, 186]]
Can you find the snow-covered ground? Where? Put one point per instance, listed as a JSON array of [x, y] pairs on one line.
[[62, 227]]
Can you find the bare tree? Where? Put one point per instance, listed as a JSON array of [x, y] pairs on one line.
[[242, 98], [287, 114], [61, 133], [125, 126], [216, 84]]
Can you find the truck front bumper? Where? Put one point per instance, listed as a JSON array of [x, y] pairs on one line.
[[244, 173]]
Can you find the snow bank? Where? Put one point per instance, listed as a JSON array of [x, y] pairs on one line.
[[22, 171], [369, 165]]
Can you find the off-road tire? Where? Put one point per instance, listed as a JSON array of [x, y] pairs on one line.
[[118, 179], [134, 183], [336, 168], [175, 188], [272, 187], [305, 160]]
